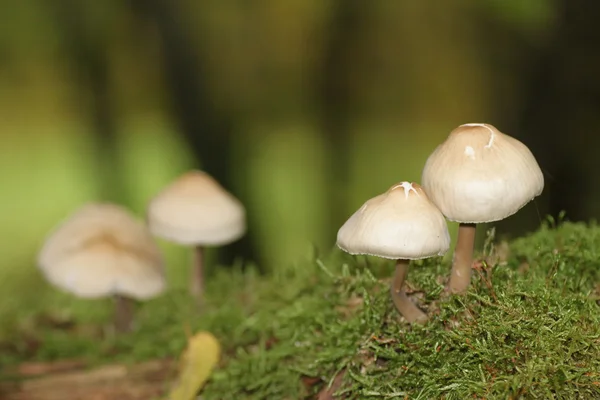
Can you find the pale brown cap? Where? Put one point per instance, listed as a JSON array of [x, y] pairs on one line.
[[479, 174], [102, 250], [197, 210], [401, 223]]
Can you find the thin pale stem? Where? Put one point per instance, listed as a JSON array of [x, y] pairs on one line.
[[123, 314], [460, 277], [404, 305], [197, 275]]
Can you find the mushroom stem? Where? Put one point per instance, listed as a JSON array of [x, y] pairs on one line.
[[403, 304], [460, 277], [197, 276], [123, 314]]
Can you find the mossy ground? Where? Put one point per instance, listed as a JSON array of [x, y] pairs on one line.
[[529, 328]]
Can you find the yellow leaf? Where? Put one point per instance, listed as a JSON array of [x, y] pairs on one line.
[[197, 362]]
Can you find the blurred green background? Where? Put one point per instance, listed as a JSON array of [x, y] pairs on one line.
[[302, 108]]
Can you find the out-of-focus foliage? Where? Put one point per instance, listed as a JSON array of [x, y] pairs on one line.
[[410, 72]]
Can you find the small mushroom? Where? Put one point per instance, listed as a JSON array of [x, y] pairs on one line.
[[195, 210], [101, 250], [400, 224], [477, 175]]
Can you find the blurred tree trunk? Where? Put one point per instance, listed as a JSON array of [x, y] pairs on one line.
[[561, 112], [205, 129], [86, 48], [334, 101]]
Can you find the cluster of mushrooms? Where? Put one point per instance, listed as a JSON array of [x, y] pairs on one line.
[[477, 175], [103, 250]]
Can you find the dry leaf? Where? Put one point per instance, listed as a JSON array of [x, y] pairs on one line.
[[197, 362]]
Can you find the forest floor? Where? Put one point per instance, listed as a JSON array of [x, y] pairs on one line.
[[528, 328]]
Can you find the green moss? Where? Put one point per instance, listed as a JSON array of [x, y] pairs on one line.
[[530, 327]]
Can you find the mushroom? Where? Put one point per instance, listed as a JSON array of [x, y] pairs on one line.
[[400, 224], [101, 250], [477, 175], [195, 210]]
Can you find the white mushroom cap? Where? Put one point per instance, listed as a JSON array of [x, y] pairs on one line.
[[102, 250], [479, 174], [196, 210], [401, 223]]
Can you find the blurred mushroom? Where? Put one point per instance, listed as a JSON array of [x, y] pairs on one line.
[[401, 224], [101, 250], [196, 211], [479, 174]]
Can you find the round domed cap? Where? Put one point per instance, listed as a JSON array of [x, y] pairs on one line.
[[102, 250], [479, 174], [401, 223], [197, 210]]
